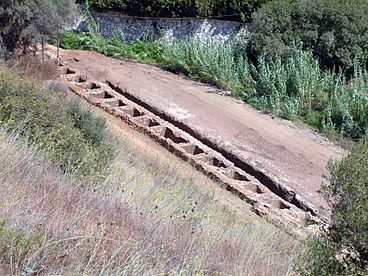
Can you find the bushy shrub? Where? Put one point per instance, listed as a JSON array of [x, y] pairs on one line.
[[319, 258], [335, 30], [343, 250], [148, 52], [46, 119], [348, 193], [226, 9]]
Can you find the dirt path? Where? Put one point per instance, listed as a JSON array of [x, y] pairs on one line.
[[288, 159]]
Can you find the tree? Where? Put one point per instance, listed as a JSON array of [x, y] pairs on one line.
[[226, 9], [335, 30], [24, 22]]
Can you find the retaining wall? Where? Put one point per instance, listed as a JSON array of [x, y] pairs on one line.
[[135, 28]]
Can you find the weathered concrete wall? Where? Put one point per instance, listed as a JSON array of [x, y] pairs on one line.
[[134, 28]]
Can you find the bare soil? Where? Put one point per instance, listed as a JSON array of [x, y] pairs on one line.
[[292, 157]]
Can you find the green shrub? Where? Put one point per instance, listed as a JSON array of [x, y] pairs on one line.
[[335, 30], [92, 127], [348, 193], [69, 135], [148, 52], [343, 250], [221, 64], [228, 9], [319, 258]]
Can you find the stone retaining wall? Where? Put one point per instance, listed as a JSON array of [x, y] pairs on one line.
[[135, 28]]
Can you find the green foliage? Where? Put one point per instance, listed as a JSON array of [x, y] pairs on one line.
[[319, 258], [335, 30], [143, 51], [21, 243], [69, 135], [92, 127], [24, 22], [348, 192], [292, 88], [148, 52], [227, 9], [298, 88], [221, 64], [343, 250], [347, 108]]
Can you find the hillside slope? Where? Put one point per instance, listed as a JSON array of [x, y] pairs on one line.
[[292, 155]]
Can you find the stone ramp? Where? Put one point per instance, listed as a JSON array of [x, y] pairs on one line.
[[225, 138], [234, 178]]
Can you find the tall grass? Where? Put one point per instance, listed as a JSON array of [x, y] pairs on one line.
[[146, 218], [221, 64], [294, 88], [298, 89]]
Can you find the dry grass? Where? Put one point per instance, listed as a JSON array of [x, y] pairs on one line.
[[32, 67], [146, 218], [149, 216]]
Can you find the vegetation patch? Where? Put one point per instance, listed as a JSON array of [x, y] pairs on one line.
[[25, 23], [343, 249], [147, 217], [140, 216], [228, 9], [72, 136], [146, 52], [334, 30]]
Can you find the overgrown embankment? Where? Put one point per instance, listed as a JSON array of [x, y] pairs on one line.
[[69, 135], [66, 206]]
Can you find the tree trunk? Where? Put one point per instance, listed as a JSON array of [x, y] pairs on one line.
[[42, 50], [58, 50]]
